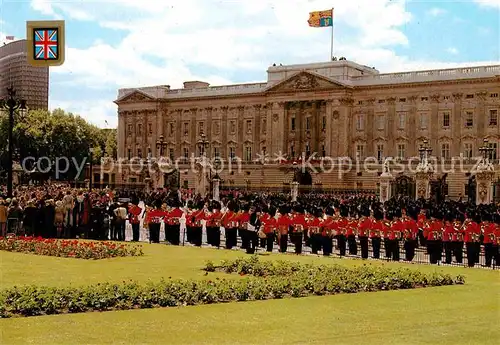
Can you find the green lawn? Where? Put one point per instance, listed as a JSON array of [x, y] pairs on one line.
[[462, 314]]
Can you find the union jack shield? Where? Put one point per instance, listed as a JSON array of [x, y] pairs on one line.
[[46, 44]]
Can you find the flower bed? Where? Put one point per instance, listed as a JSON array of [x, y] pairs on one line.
[[306, 280], [69, 248]]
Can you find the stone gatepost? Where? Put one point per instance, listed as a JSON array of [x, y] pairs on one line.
[[216, 185], [484, 186], [423, 184], [385, 186], [295, 190]]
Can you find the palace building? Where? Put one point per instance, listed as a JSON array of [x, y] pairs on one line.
[[331, 109]]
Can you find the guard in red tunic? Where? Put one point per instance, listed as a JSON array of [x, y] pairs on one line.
[[283, 223], [449, 231], [173, 219], [134, 213], [328, 231], [497, 237], [472, 234], [489, 238], [243, 220], [342, 225], [314, 230], [365, 224], [458, 238], [421, 221], [395, 235], [230, 223], [352, 231], [214, 222], [376, 232], [197, 218], [434, 237], [298, 228], [269, 224], [153, 219], [410, 234]]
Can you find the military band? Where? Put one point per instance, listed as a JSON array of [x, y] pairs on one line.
[[333, 229]]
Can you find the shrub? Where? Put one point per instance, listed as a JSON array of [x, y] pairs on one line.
[[69, 248], [283, 279]]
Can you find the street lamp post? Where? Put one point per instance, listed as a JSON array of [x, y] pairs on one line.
[[161, 145], [11, 104], [203, 145], [91, 151]]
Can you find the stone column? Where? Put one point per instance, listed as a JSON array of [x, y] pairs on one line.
[[294, 190], [484, 187], [193, 132], [371, 125], [481, 117], [224, 152], [391, 127], [331, 150], [240, 132], [456, 146], [385, 186], [412, 127], [215, 192], [208, 128], [434, 123], [177, 117], [422, 181], [257, 128], [345, 124], [121, 135]]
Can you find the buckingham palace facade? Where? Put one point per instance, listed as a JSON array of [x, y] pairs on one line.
[[310, 111]]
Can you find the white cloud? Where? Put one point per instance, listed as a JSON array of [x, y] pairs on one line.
[[436, 12], [171, 41], [101, 113], [452, 50], [488, 3]]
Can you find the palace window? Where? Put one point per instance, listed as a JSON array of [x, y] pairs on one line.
[[139, 153], [129, 153], [308, 123], [401, 151], [139, 129], [186, 153], [201, 129], [423, 121], [149, 152], [493, 117], [360, 122], [445, 151], [248, 153], [446, 119], [493, 151], [308, 149], [171, 125], [494, 95], [232, 127], [469, 119], [150, 128], [323, 151], [129, 130], [263, 151], [323, 126], [264, 126], [232, 153], [292, 151], [380, 122], [380, 152], [249, 127], [171, 154], [402, 121], [468, 150], [216, 152], [292, 123], [186, 128], [360, 151]]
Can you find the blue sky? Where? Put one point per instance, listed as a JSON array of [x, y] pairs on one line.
[[126, 43]]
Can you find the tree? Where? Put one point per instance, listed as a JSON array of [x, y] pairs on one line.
[[41, 133]]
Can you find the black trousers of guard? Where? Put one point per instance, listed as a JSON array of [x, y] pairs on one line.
[[253, 240], [394, 249], [262, 242], [269, 242], [327, 245], [135, 232], [244, 238], [197, 235], [421, 238], [154, 232], [353, 246], [363, 243], [489, 253], [168, 232], [315, 243], [189, 234], [448, 251], [410, 246], [458, 251], [231, 237], [341, 244], [175, 232], [470, 248], [387, 248], [283, 239], [213, 236], [376, 241], [297, 238]]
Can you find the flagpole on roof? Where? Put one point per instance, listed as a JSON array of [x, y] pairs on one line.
[[331, 43]]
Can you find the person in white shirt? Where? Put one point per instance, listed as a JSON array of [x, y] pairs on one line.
[[121, 217]]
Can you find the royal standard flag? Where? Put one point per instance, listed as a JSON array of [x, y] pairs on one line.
[[321, 19]]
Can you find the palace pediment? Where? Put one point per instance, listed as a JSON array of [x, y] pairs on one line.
[[305, 81], [133, 97]]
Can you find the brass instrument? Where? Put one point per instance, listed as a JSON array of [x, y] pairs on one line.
[[314, 229], [492, 237], [475, 237], [298, 228]]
